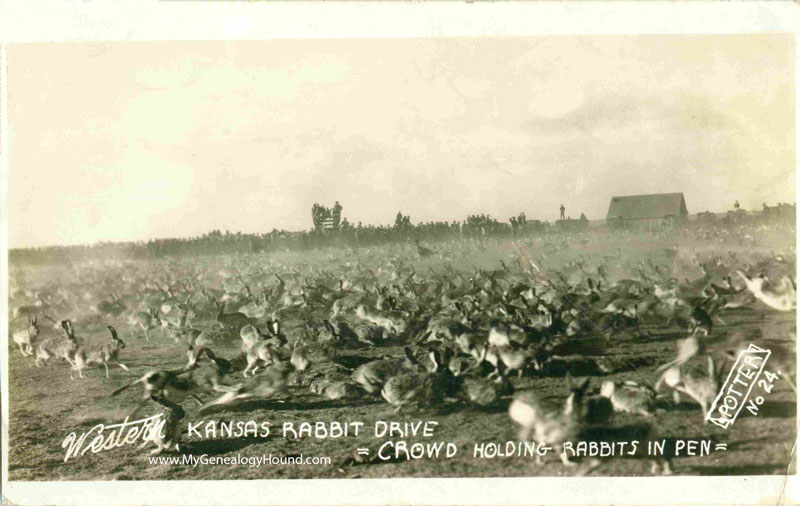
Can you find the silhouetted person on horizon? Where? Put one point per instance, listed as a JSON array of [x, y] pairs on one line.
[[337, 214], [562, 209]]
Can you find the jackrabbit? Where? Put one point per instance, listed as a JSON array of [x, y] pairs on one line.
[[24, 337], [146, 321], [105, 354], [481, 390], [420, 388], [551, 424], [167, 434], [373, 375], [259, 347], [177, 384], [629, 397], [273, 381], [60, 347], [703, 388]]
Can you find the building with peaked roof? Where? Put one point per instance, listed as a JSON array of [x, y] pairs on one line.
[[647, 210]]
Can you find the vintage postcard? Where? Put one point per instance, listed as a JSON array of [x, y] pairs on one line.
[[525, 267]]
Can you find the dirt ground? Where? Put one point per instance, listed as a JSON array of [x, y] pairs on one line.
[[46, 406]]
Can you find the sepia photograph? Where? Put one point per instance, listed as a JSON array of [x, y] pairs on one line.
[[526, 256]]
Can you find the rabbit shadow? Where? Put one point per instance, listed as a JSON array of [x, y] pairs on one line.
[[499, 406], [778, 409], [220, 446], [684, 406], [290, 404], [667, 337]]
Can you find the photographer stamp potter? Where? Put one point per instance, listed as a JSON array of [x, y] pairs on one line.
[[737, 387]]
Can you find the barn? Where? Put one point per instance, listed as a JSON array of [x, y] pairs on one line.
[[647, 210]]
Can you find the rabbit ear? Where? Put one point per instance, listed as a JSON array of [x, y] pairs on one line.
[[501, 369], [409, 355], [712, 372], [330, 328], [435, 358], [482, 356]]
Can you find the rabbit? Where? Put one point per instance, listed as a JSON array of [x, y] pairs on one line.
[[274, 381], [481, 390], [373, 375], [783, 299], [207, 377], [24, 337], [629, 397], [551, 424], [344, 336], [104, 354], [511, 355], [334, 384], [231, 320], [700, 321], [347, 389], [146, 321], [187, 335], [167, 434], [304, 353], [259, 347], [178, 384], [702, 388], [660, 464], [420, 388], [63, 347], [392, 321]]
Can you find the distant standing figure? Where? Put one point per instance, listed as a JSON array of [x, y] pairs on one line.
[[583, 217], [736, 205], [337, 213], [562, 209]]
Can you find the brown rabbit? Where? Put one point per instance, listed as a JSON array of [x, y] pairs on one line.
[[260, 347], [60, 347], [24, 338], [547, 423], [373, 375], [629, 397], [420, 388], [146, 321], [703, 388], [481, 390], [273, 381], [105, 354], [235, 320], [167, 434]]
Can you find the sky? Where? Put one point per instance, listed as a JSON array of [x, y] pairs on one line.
[[139, 140]]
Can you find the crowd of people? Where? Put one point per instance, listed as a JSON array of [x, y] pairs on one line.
[[322, 216]]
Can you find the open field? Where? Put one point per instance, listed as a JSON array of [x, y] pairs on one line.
[[414, 288]]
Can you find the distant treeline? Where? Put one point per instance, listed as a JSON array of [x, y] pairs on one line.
[[219, 243]]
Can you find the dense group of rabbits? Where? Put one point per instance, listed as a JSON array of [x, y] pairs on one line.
[[336, 326]]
